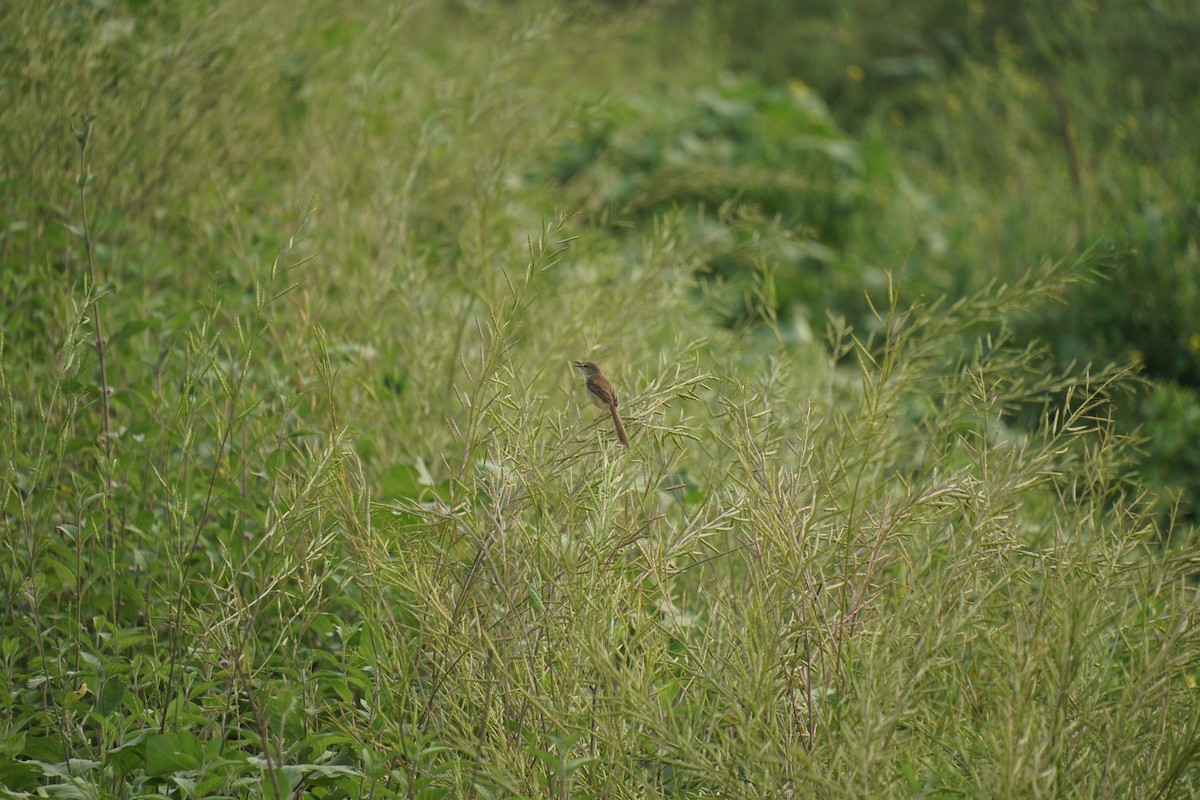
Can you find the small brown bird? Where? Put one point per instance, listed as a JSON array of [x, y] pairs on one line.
[[603, 395]]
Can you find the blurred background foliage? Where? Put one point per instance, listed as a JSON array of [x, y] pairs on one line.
[[808, 149], [955, 144]]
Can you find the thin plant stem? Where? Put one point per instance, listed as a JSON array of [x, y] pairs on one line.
[[81, 135]]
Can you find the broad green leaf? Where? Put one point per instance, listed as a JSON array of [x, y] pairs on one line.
[[172, 752]]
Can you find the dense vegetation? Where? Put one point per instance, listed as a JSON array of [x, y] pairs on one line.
[[901, 299]]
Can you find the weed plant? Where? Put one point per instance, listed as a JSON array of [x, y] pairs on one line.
[[323, 513]]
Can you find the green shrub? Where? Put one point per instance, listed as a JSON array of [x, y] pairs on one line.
[[764, 178]]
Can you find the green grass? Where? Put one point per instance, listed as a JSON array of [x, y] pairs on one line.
[[341, 524]]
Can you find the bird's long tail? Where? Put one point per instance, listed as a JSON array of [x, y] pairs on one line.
[[620, 426]]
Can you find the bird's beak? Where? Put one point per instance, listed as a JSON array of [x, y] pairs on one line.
[[578, 364]]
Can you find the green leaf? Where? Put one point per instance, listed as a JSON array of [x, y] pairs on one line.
[[279, 782], [129, 755], [172, 752], [44, 748], [69, 769], [12, 744], [19, 775], [112, 690]]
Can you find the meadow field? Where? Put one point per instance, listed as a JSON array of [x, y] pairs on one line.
[[301, 496]]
